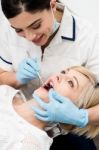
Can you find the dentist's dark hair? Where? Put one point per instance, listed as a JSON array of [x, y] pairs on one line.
[[12, 8]]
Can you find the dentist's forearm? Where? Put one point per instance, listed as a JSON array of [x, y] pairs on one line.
[[9, 78], [93, 114]]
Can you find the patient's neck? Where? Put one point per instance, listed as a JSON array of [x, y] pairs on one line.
[[24, 109]]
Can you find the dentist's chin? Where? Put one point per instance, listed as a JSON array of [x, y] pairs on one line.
[[39, 41]]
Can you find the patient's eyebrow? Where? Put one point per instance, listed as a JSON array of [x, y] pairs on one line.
[[76, 81]]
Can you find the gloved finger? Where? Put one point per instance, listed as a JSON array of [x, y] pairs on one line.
[[24, 77], [42, 118], [50, 93], [30, 70], [58, 97], [52, 97], [33, 64], [39, 112], [39, 101], [27, 74], [36, 61]]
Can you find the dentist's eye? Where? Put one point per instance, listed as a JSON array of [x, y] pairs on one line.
[[36, 26], [18, 30], [71, 83]]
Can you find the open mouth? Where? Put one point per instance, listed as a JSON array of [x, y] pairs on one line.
[[48, 86]]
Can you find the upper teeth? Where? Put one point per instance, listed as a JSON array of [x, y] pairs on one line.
[[51, 84]]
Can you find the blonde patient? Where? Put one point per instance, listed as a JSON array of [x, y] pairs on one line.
[[17, 116], [78, 84]]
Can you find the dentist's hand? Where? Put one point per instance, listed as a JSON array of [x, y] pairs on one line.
[[27, 70], [60, 109]]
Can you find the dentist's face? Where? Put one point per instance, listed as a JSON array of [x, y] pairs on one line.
[[36, 27], [69, 83]]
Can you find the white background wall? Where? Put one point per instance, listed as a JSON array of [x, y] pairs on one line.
[[86, 8]]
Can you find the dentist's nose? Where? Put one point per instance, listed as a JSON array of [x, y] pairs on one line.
[[30, 35]]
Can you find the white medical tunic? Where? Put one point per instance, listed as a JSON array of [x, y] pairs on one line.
[[15, 132], [75, 43]]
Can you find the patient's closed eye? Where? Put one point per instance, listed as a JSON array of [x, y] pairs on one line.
[[71, 83]]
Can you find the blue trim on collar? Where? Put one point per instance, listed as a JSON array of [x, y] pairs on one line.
[[74, 32], [5, 61]]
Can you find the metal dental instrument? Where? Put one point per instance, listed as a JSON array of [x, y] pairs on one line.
[[40, 78]]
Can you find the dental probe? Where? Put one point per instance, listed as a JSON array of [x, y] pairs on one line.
[[40, 78]]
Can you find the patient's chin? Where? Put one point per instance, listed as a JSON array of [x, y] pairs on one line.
[[43, 95]]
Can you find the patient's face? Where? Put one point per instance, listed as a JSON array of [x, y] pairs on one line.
[[69, 83]]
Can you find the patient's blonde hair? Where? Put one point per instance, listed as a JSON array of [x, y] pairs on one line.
[[88, 99]]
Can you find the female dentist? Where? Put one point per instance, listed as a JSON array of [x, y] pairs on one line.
[[59, 39]]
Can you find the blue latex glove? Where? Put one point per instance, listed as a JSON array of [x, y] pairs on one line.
[[27, 70], [60, 109]]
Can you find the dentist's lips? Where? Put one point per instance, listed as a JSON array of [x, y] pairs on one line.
[[38, 39]]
